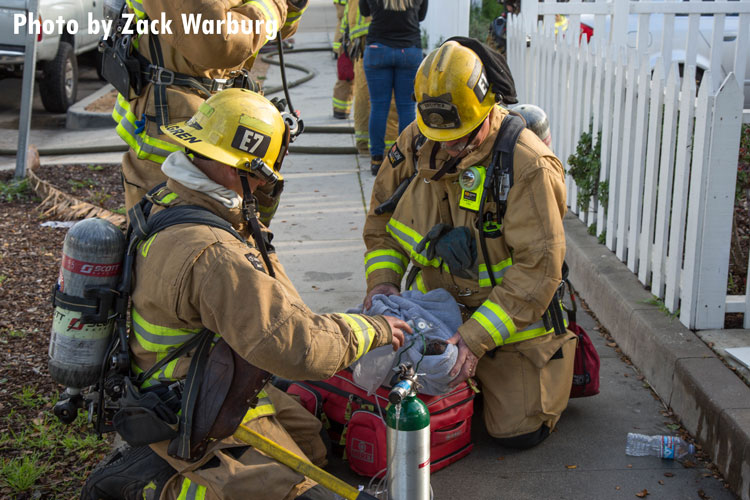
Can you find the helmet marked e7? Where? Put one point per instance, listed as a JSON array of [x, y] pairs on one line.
[[239, 128]]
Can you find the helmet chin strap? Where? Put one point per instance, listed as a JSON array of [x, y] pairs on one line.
[[451, 164], [248, 213]]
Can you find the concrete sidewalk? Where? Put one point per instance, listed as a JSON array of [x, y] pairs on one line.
[[318, 230], [319, 240]]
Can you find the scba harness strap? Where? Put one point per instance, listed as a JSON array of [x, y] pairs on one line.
[[200, 406], [499, 180]]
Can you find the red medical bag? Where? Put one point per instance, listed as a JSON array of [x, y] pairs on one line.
[[357, 421]]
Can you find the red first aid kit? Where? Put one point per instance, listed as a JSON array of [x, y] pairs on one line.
[[356, 421]]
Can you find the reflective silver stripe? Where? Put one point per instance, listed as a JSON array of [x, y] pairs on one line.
[[365, 326], [499, 325], [169, 341], [484, 275]]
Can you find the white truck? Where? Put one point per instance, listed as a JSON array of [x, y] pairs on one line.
[[56, 51]]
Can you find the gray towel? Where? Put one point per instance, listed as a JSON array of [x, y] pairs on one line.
[[433, 316]]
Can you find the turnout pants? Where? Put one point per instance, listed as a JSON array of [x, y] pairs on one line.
[[234, 470], [527, 384]]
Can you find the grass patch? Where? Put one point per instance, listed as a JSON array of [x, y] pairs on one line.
[[15, 190], [21, 474], [43, 458], [95, 168], [659, 303], [81, 184]]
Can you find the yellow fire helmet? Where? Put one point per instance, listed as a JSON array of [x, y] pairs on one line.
[[452, 92], [239, 128]]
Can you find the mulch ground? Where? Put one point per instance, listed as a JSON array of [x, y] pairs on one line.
[[30, 257]]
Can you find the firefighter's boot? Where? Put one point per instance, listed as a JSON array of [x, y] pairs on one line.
[[129, 474]]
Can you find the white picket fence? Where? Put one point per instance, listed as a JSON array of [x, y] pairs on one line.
[[669, 157]]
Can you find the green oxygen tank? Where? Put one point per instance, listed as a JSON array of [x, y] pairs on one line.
[[408, 439]]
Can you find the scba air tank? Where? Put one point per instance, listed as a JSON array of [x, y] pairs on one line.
[[92, 258], [408, 436]]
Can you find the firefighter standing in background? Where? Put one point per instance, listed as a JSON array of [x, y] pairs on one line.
[[524, 366], [193, 276], [181, 70], [343, 89], [340, 8], [353, 31]]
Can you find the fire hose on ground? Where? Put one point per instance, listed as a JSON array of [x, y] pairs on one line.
[[267, 58]]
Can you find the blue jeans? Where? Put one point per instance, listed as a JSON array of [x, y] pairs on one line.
[[389, 70]]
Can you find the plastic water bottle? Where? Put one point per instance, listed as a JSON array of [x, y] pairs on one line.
[[669, 447]]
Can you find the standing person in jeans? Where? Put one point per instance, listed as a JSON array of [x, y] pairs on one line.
[[392, 56]]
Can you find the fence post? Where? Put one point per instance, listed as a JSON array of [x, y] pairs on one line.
[[27, 94], [620, 23], [714, 241], [696, 200]]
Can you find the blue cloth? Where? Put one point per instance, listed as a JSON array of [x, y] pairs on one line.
[[434, 316], [390, 71]]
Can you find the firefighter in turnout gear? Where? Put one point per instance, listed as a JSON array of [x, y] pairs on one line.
[[353, 31], [180, 70], [508, 278], [193, 278]]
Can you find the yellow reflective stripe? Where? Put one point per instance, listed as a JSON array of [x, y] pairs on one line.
[[385, 259], [336, 45], [268, 9], [267, 213], [155, 338], [293, 17], [420, 283], [362, 329], [496, 321], [264, 408], [146, 147], [146, 245], [137, 7], [191, 490], [168, 198], [498, 270], [389, 144], [361, 136], [409, 239]]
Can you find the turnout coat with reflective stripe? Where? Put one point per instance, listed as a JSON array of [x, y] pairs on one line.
[[188, 276], [198, 54], [526, 260]]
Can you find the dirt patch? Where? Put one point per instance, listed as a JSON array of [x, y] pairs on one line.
[[104, 104], [100, 185]]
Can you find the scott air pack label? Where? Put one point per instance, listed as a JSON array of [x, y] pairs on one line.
[[251, 141], [395, 156]]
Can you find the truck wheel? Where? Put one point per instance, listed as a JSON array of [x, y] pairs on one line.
[[59, 85]]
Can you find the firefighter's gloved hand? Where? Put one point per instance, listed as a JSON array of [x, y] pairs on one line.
[[457, 248], [432, 236]]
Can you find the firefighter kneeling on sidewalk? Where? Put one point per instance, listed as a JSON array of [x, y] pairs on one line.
[[497, 246], [197, 279]]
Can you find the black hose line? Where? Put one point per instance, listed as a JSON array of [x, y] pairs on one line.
[[313, 129]]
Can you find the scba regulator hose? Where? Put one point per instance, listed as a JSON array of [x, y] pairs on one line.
[[267, 58]]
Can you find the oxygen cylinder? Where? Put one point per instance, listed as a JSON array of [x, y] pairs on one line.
[[92, 257], [408, 440]]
